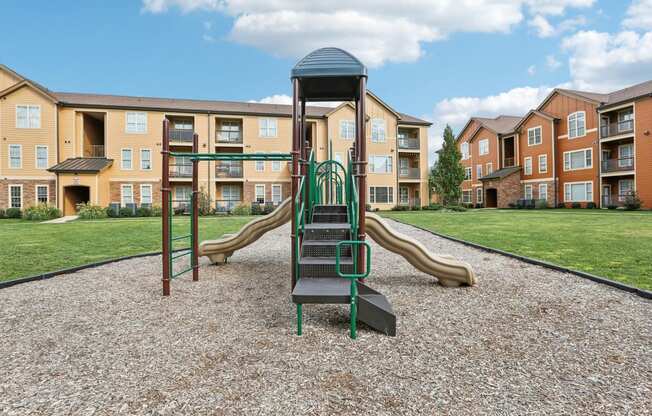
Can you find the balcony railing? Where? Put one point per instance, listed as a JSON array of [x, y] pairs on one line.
[[181, 170], [94, 150], [408, 143], [618, 165], [226, 205], [615, 129], [409, 173], [181, 135], [228, 170], [614, 200], [228, 136], [410, 202]]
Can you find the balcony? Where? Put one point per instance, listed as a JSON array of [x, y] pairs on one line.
[[618, 165], [181, 135], [228, 136], [408, 143], [409, 173], [228, 169], [181, 170], [94, 150], [616, 128]]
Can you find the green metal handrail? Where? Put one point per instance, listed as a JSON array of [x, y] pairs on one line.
[[353, 277]]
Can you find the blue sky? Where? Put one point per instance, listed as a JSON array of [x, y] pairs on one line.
[[441, 60]]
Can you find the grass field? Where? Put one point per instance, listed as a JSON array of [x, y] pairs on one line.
[[31, 248], [612, 244]]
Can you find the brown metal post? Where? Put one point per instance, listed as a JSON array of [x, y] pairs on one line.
[[304, 151], [195, 211], [165, 201], [361, 151], [295, 172]]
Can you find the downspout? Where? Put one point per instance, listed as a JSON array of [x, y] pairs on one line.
[[554, 164]]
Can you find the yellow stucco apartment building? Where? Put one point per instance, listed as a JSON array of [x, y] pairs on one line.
[[67, 148]]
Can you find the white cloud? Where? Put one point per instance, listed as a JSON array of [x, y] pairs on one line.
[[639, 15], [531, 70], [545, 29], [556, 7], [552, 63], [604, 62], [160, 6], [286, 99]]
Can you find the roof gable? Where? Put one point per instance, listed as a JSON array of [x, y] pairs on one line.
[[29, 84], [532, 113]]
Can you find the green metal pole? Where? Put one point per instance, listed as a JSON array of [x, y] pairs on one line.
[[299, 319], [354, 308]]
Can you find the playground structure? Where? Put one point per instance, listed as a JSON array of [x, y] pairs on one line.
[[330, 257]]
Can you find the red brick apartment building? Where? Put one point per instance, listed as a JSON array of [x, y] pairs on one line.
[[576, 146]]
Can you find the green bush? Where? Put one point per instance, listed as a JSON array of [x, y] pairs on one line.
[[432, 207], [632, 202], [2, 213], [591, 205], [541, 204], [41, 212], [612, 206], [91, 212], [204, 203], [13, 213], [416, 208], [126, 212], [157, 211], [400, 208], [143, 212], [576, 205], [456, 208], [241, 209]]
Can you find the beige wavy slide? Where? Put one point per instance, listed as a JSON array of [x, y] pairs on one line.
[[221, 249], [448, 271]]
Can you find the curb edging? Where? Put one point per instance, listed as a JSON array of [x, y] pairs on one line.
[[646, 294]]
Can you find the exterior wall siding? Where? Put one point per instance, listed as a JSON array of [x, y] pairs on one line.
[[643, 149]]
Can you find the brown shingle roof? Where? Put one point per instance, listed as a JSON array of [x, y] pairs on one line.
[[501, 173], [593, 96], [82, 165], [500, 124], [408, 119], [629, 93]]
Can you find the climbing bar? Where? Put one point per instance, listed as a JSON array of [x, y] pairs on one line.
[[181, 237], [181, 272], [186, 253]]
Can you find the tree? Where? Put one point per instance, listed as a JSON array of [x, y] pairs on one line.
[[447, 173]]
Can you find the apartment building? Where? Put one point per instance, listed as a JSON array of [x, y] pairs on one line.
[[575, 147], [67, 148]]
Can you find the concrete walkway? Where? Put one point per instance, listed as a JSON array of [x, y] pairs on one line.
[[61, 220]]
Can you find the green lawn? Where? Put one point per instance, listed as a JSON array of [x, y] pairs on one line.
[[30, 248], [612, 244]]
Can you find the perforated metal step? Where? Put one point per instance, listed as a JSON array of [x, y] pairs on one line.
[[330, 217], [329, 208], [311, 267], [327, 231], [323, 248]]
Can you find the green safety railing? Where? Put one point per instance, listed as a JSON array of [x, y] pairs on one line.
[[179, 253], [353, 277]]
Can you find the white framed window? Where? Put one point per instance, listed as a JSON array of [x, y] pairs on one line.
[[183, 125], [490, 168], [625, 155], [380, 164], [276, 194], [403, 195], [577, 124], [466, 197], [41, 154], [534, 136], [15, 156], [136, 122], [15, 196], [625, 188], [467, 173], [259, 194], [230, 192], [126, 194], [145, 194], [145, 159], [267, 127], [527, 166], [464, 149], [578, 159], [276, 165], [42, 194], [126, 159], [626, 120], [578, 191], [543, 163], [260, 166], [543, 191], [483, 147], [347, 129], [527, 192], [478, 171], [381, 195], [478, 196], [183, 194], [28, 116], [378, 130]]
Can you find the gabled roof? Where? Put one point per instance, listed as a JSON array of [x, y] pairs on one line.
[[531, 113], [501, 173], [408, 119], [629, 94], [592, 97], [500, 125], [30, 84], [82, 165]]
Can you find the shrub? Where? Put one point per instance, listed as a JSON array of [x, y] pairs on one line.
[[126, 212], [512, 205], [41, 212], [181, 209], [432, 207], [479, 205], [612, 206], [541, 204], [561, 205], [632, 202], [591, 205], [241, 209], [92, 212], [144, 212], [576, 205], [367, 207], [400, 208], [204, 203], [2, 213], [416, 208], [13, 213], [157, 211], [456, 208]]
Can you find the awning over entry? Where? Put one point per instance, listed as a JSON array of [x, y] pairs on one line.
[[82, 165]]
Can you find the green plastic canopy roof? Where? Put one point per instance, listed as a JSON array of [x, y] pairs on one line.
[[329, 74]]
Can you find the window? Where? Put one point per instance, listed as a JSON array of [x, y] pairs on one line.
[[347, 129], [15, 156], [380, 164], [267, 127], [466, 197], [543, 191], [145, 194], [464, 148], [276, 165], [467, 173], [483, 146], [260, 194], [579, 159], [478, 171], [625, 188], [378, 130], [183, 125], [534, 136], [527, 194], [260, 166], [490, 168], [626, 120], [276, 194], [576, 125], [578, 192], [145, 159], [126, 195], [625, 156], [15, 196], [528, 166], [41, 157], [543, 163], [136, 122], [182, 194], [231, 192], [381, 194], [28, 116], [42, 192], [125, 163], [478, 195], [403, 195]]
